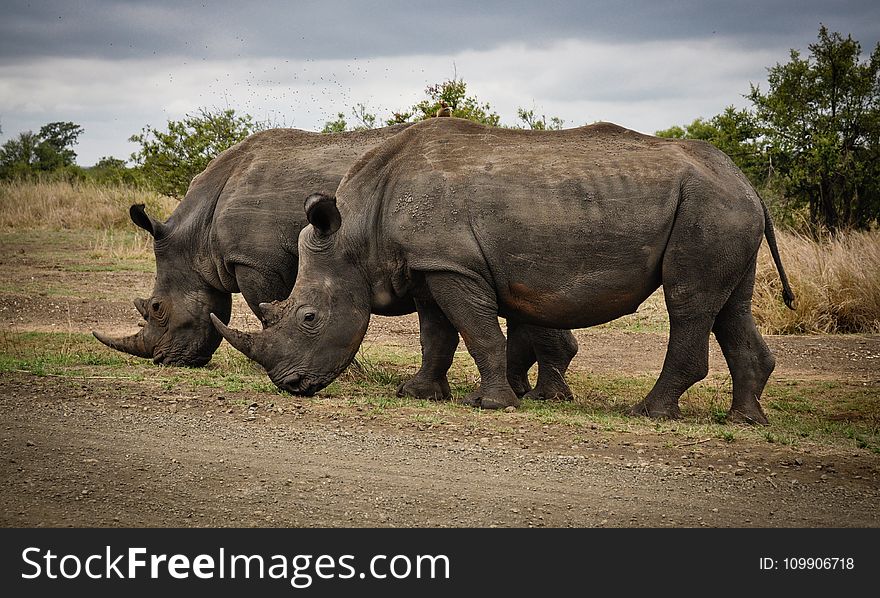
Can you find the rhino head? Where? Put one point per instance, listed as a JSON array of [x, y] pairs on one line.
[[176, 327], [312, 336]]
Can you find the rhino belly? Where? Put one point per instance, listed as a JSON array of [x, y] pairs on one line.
[[576, 302]]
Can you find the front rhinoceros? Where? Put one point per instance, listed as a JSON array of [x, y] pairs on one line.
[[236, 231], [561, 229]]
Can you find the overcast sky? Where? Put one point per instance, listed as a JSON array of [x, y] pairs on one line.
[[115, 66]]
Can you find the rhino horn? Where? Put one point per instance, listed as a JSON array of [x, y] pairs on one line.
[[141, 306], [133, 345], [242, 341]]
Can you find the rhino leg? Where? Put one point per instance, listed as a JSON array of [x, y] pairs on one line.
[[748, 357], [439, 339], [701, 269], [686, 363], [520, 357], [554, 350], [472, 308]]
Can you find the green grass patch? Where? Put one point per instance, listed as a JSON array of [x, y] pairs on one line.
[[841, 413]]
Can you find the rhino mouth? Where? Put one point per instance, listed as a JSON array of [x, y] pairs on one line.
[[165, 358], [301, 385]]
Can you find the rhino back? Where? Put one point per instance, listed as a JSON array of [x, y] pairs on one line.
[[538, 215], [256, 215]]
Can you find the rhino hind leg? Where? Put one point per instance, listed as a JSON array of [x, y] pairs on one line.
[[708, 257], [686, 363], [439, 339], [748, 357], [472, 309], [520, 357], [554, 350]]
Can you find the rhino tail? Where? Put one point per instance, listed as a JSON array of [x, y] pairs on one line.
[[770, 234]]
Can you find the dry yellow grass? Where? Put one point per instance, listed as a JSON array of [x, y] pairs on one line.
[[836, 282], [63, 205]]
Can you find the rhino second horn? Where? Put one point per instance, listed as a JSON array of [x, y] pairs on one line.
[[133, 345], [271, 312], [141, 306], [242, 341]]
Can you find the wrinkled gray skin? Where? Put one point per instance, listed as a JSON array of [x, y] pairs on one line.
[[561, 229], [236, 231]]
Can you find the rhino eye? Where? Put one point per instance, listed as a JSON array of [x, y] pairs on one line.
[[309, 317], [156, 306]]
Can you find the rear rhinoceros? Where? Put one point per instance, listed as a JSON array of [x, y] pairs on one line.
[[236, 231], [563, 229]]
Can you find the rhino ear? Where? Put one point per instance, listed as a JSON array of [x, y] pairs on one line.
[[140, 217], [322, 213]]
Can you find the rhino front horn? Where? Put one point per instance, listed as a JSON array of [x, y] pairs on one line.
[[133, 345], [242, 341]]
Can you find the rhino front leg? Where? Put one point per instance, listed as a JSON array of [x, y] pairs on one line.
[[439, 339], [471, 307]]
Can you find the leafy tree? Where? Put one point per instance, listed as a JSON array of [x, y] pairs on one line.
[[49, 151], [336, 126], [538, 124], [55, 148], [114, 171], [18, 157], [170, 159], [736, 133], [366, 119], [821, 119], [452, 93]]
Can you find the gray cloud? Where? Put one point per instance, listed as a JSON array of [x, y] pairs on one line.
[[113, 29], [116, 66]]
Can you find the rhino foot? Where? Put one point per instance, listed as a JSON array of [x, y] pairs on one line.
[[654, 411], [492, 399], [550, 393], [429, 390], [753, 416], [519, 384]]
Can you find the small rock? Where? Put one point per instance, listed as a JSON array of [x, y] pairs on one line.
[[739, 472], [509, 409], [29, 443]]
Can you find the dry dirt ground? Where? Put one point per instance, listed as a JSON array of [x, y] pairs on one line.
[[111, 451]]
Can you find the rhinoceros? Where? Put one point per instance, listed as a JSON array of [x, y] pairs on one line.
[[236, 231], [563, 229]]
